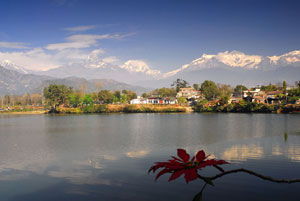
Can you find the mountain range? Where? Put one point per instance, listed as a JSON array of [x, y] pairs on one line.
[[16, 83], [225, 67]]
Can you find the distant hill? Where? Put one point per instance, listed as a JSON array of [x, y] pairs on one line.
[[93, 85], [16, 83], [13, 82]]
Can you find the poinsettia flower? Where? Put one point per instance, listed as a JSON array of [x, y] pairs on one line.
[[183, 165]]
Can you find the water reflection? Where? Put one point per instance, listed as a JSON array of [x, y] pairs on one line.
[[242, 152], [114, 151]]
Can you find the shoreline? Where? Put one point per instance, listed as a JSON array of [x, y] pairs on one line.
[[182, 109], [25, 112]]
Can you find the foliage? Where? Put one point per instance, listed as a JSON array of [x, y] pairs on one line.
[[196, 87], [209, 89], [56, 94], [224, 99], [179, 83], [270, 87], [293, 95], [87, 100], [130, 95], [239, 89], [181, 100], [240, 107], [165, 92], [105, 96], [117, 95], [224, 90], [284, 85], [94, 96], [145, 95], [74, 99], [152, 109]]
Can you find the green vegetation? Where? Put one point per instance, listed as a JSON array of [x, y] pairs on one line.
[[238, 90], [56, 95], [209, 90], [165, 92], [179, 83], [110, 108], [213, 98], [241, 107]]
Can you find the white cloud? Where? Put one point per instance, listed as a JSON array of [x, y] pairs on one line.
[[111, 59], [40, 59], [95, 59], [78, 41], [13, 45], [81, 28], [139, 66]]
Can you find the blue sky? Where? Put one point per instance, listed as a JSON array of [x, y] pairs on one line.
[[164, 34]]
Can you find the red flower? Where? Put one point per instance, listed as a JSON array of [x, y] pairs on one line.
[[183, 165]]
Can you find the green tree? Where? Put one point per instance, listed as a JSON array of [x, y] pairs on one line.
[[130, 95], [179, 83], [239, 89], [117, 95], [56, 94], [74, 99], [145, 95], [284, 85], [270, 87], [196, 87], [181, 100], [225, 90], [165, 92], [105, 96], [224, 100], [87, 99], [94, 96], [124, 98], [209, 89]]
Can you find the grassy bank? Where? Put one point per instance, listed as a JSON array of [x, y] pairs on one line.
[[110, 108]]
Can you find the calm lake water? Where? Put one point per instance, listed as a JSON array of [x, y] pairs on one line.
[[106, 157]]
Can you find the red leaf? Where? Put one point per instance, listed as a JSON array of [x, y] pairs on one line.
[[190, 175], [164, 171], [183, 155], [176, 174], [200, 156]]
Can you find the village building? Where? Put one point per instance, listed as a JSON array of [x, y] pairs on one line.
[[259, 99], [154, 100], [234, 100], [188, 93], [138, 100], [252, 93], [272, 96]]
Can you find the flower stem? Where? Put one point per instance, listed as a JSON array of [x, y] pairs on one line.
[[252, 173]]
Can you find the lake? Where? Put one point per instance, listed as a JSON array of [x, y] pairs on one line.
[[106, 157]]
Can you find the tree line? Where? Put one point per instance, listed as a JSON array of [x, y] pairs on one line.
[[34, 99], [56, 95]]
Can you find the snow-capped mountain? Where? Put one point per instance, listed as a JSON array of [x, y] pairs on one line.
[[95, 67], [224, 67], [239, 60], [11, 66]]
